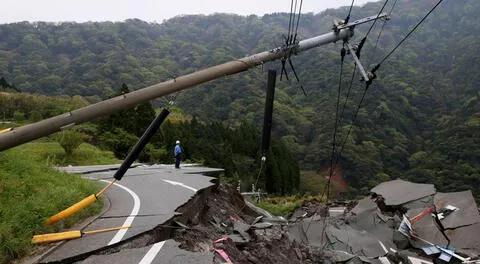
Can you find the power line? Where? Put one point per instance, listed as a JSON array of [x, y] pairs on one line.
[[375, 69], [375, 21], [348, 92], [354, 119], [327, 188], [293, 21], [406, 37], [381, 31], [349, 12], [289, 23], [358, 53], [298, 20], [342, 53], [362, 42]]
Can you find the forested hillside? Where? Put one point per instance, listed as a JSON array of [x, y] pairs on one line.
[[421, 118]]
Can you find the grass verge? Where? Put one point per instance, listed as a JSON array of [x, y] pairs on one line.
[[279, 209], [31, 191], [53, 154], [286, 205]]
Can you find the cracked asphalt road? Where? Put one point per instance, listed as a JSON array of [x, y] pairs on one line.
[[147, 196]]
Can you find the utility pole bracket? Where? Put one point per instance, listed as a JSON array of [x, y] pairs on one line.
[[357, 62]]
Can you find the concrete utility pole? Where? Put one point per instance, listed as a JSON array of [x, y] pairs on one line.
[[54, 124]]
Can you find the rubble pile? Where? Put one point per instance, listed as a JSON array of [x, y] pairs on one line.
[[229, 227], [401, 222]]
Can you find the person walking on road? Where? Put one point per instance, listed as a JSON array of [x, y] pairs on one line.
[[177, 151]]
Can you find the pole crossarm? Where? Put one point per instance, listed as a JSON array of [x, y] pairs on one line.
[[363, 21]]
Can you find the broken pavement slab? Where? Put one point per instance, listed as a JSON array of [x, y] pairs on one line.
[[462, 225], [364, 205], [338, 255], [465, 239], [467, 213], [398, 192]]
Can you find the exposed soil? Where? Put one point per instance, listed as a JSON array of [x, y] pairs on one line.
[[223, 208]]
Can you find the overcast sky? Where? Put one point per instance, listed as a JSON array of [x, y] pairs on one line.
[[148, 10]]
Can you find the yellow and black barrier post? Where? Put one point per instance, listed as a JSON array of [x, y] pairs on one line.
[[52, 237]]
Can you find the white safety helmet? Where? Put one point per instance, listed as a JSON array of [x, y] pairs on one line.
[[177, 142]]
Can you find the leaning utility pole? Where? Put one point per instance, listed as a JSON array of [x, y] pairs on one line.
[[20, 135]]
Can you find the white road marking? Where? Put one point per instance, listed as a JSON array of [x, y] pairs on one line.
[[414, 260], [181, 184], [148, 258], [136, 207], [152, 253], [383, 246], [384, 260]]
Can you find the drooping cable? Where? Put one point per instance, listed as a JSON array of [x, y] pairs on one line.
[[381, 31], [332, 165], [326, 191], [406, 37], [354, 119], [343, 52], [348, 92]]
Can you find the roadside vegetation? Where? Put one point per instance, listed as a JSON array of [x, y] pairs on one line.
[[286, 205], [31, 191], [280, 206], [53, 154]]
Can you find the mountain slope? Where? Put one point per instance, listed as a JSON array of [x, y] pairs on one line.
[[420, 118]]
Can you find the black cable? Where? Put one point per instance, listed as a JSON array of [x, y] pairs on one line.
[[348, 92], [357, 52], [375, 21], [289, 23], [360, 46], [376, 68], [293, 21], [381, 31], [327, 189], [354, 119], [376, 42], [343, 52], [406, 37], [298, 21], [349, 12], [391, 9]]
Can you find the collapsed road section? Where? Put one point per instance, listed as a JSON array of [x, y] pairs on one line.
[[401, 222]]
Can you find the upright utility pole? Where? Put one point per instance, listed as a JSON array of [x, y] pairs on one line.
[[54, 124], [268, 114]]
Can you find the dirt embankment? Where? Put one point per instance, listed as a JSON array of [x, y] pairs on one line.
[[226, 215]]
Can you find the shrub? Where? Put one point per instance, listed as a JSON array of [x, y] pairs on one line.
[[70, 140]]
